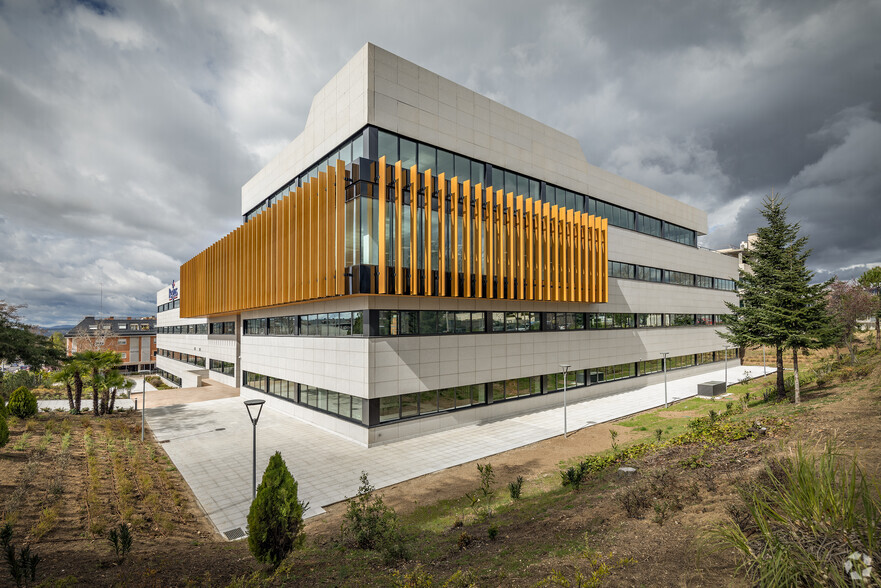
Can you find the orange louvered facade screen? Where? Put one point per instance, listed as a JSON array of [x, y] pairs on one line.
[[497, 246]]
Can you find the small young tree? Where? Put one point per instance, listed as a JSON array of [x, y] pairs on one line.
[[871, 279], [275, 521], [848, 303], [22, 403]]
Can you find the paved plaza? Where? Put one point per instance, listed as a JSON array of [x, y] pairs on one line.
[[210, 443]]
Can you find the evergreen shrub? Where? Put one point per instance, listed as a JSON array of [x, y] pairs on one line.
[[4, 431], [22, 403], [275, 521]]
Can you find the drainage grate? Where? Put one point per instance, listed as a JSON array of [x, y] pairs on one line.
[[234, 534], [220, 429], [165, 441]]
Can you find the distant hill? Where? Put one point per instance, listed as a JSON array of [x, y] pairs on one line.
[[60, 328]]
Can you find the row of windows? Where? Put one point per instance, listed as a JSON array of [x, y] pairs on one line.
[[223, 367], [170, 377], [184, 357], [222, 328], [393, 323], [424, 157], [405, 406], [335, 403], [332, 324], [395, 147], [169, 305], [415, 404], [630, 271]]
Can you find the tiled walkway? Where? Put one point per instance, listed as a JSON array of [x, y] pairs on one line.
[[210, 443]]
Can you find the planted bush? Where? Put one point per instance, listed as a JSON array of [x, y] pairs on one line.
[[515, 488], [22, 403], [4, 431], [370, 524], [275, 521]]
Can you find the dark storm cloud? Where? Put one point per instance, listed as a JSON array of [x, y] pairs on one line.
[[129, 127]]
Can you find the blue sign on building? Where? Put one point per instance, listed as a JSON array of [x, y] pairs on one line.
[[173, 292]]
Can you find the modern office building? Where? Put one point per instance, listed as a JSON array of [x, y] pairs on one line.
[[134, 339], [422, 257]]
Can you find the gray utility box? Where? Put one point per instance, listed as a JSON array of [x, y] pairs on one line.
[[711, 389]]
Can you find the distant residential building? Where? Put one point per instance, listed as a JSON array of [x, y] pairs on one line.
[[738, 252], [134, 339]]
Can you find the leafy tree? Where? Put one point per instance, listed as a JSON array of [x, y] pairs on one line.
[[275, 521], [20, 342], [871, 279], [848, 303], [98, 364], [778, 307], [371, 524], [22, 403]]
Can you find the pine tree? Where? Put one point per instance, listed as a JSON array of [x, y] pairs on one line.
[[802, 307], [778, 305], [275, 521]]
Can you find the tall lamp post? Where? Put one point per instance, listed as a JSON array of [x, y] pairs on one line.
[[251, 405], [726, 367], [664, 360], [143, 403], [565, 367], [764, 365]]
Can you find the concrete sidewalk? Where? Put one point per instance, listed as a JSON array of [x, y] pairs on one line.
[[210, 443]]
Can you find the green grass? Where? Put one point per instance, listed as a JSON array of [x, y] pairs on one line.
[[799, 522]]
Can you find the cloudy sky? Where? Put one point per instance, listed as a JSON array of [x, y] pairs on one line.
[[122, 120]]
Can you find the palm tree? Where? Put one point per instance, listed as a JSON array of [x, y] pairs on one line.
[[99, 363], [69, 374], [113, 381]]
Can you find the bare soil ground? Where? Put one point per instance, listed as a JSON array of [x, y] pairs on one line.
[[63, 497]]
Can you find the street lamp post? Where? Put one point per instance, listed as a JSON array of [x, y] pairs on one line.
[[565, 367], [764, 365], [252, 404], [664, 359], [726, 367], [143, 404]]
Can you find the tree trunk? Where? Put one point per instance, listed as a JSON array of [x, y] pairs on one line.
[[105, 394], [878, 332], [95, 392], [78, 388], [797, 393], [69, 394], [781, 387], [112, 401]]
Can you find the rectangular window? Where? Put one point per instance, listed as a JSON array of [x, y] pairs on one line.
[[649, 225], [703, 281], [649, 320], [389, 408], [388, 323], [120, 341], [409, 405], [648, 274], [427, 402], [446, 399], [703, 319], [463, 396], [679, 320], [679, 278], [651, 366], [409, 322], [622, 270]]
